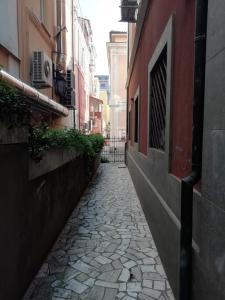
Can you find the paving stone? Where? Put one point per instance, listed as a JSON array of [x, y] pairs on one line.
[[76, 286], [122, 287], [110, 294], [82, 267], [89, 282], [115, 256], [130, 256], [159, 285], [111, 248], [105, 251], [152, 276], [152, 253], [134, 287], [136, 272], [130, 264], [110, 276], [144, 297], [95, 264], [147, 268], [82, 277], [107, 284], [86, 259], [147, 283], [62, 293], [103, 260], [123, 259], [132, 294], [152, 293], [128, 298], [125, 275], [117, 264], [149, 261], [120, 295], [94, 274], [160, 270], [96, 293], [70, 273]]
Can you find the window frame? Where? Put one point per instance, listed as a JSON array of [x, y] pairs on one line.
[[136, 98], [43, 12], [166, 40], [129, 124]]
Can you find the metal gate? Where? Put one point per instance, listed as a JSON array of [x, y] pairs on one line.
[[113, 150]]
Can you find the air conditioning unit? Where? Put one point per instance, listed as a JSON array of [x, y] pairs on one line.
[[69, 98], [41, 70]]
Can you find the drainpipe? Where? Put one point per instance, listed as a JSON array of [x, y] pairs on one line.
[[59, 25], [188, 183], [78, 73], [127, 96]]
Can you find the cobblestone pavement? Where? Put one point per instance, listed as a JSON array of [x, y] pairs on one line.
[[106, 250]]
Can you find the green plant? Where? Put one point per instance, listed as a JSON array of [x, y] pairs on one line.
[[97, 141], [44, 138], [14, 111]]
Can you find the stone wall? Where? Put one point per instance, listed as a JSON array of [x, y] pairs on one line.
[[33, 209], [209, 260]]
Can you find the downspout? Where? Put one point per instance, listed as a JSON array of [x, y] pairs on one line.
[[127, 96], [188, 183], [59, 25], [73, 62], [78, 73]]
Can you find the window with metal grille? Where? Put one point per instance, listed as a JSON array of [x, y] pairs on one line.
[[136, 121], [129, 125], [157, 107]]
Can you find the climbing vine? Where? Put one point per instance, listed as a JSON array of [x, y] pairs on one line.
[[14, 111]]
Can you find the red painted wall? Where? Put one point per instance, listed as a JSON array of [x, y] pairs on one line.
[[182, 79]]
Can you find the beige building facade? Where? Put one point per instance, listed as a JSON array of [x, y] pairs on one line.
[[32, 28], [117, 60], [102, 92], [34, 49]]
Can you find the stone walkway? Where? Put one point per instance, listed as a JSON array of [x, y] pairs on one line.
[[106, 250]]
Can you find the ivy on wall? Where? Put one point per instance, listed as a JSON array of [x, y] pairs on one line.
[[14, 111]]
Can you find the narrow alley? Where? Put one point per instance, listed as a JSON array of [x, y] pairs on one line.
[[106, 250]]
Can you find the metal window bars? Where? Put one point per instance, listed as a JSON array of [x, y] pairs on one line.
[[157, 113]]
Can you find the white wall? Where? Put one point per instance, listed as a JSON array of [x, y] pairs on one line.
[[8, 25]]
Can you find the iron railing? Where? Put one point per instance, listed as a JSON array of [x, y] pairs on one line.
[[113, 150]]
